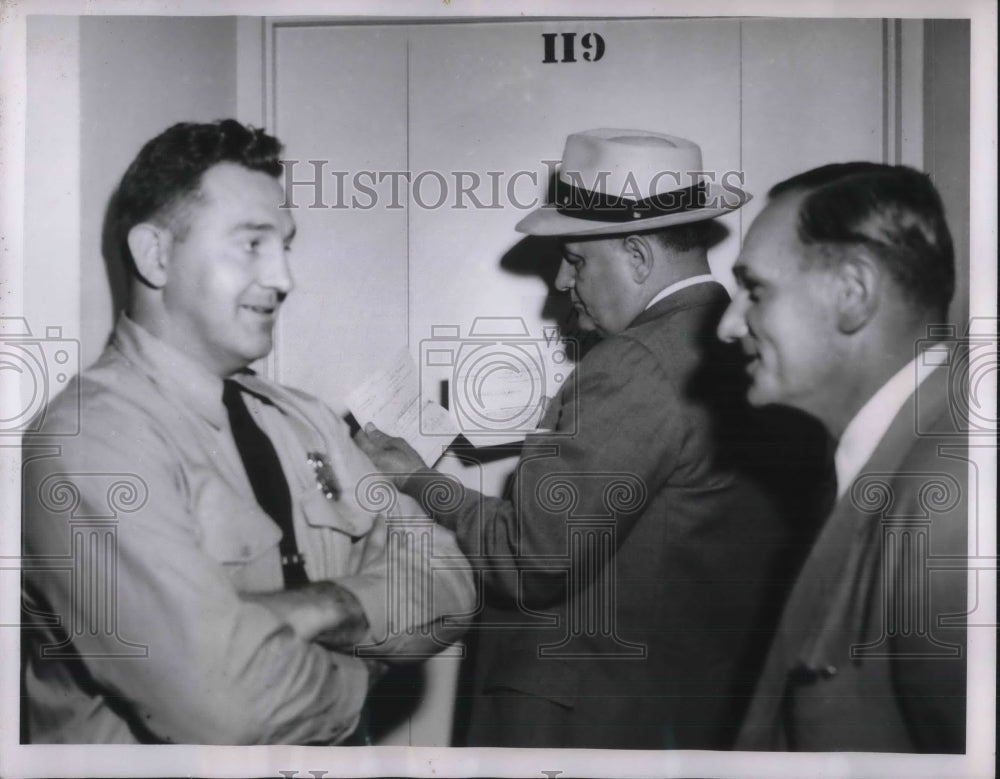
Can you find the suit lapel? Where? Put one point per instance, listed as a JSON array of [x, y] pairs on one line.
[[825, 613]]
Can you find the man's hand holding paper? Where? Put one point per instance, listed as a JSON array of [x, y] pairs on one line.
[[391, 400], [391, 455]]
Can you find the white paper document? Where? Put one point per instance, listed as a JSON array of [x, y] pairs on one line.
[[391, 400], [500, 376], [497, 395]]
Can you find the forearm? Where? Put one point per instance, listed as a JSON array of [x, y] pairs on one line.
[[445, 500], [222, 672], [487, 531], [588, 466], [424, 602], [323, 612], [188, 661]]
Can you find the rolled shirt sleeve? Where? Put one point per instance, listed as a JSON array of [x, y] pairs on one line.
[[413, 581], [174, 649], [145, 532]]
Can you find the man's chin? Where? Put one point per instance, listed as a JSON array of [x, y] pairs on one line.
[[758, 395], [258, 350], [580, 323], [585, 323]]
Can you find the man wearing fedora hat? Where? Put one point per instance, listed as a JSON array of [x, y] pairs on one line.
[[650, 635]]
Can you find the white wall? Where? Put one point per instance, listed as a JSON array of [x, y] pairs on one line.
[[51, 268], [138, 75], [767, 97], [770, 97], [812, 93]]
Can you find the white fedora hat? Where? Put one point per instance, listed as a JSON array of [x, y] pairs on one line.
[[616, 181]]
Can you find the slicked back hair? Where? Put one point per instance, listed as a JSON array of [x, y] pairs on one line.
[[892, 210]]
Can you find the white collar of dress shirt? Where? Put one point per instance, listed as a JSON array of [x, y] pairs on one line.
[[870, 424], [677, 286]]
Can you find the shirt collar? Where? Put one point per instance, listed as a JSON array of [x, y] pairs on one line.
[[864, 432], [170, 368], [677, 286]]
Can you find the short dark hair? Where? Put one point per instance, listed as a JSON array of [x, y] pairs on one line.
[[168, 170], [684, 237], [893, 210]]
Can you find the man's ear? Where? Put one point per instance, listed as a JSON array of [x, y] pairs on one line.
[[150, 248], [640, 256], [858, 284]]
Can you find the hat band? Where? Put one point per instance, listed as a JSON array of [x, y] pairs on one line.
[[582, 203]]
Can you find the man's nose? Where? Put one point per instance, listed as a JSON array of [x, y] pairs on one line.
[[733, 324], [564, 278], [276, 273]]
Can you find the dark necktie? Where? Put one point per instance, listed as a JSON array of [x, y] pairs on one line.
[[267, 479]]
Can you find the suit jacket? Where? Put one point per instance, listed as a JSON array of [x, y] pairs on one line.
[[870, 652], [629, 571]]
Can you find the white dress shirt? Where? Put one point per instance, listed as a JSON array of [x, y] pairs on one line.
[[870, 424], [677, 286]]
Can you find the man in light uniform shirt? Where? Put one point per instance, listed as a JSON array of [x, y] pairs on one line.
[[220, 554]]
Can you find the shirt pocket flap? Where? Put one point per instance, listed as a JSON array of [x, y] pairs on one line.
[[340, 515], [233, 530]]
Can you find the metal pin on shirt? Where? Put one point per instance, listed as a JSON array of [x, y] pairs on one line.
[[326, 481]]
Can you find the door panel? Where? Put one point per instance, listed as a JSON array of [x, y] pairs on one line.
[[445, 135]]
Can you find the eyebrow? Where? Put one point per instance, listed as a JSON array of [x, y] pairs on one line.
[[263, 227]]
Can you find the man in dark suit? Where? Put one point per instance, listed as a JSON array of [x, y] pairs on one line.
[[629, 569], [841, 277]]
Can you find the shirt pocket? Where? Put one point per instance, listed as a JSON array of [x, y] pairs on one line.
[[239, 534], [341, 515]]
